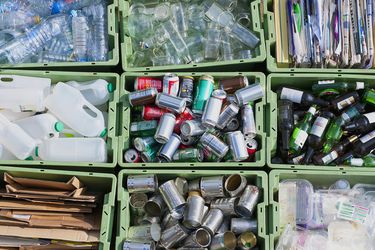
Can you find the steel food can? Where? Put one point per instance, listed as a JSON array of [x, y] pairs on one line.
[[152, 112], [187, 89], [172, 197], [202, 93], [142, 97], [226, 205], [143, 82], [137, 202], [145, 232], [138, 245], [230, 85], [171, 236], [155, 206], [165, 128], [226, 240], [171, 103], [212, 109], [247, 241], [235, 184], [212, 186], [237, 145], [193, 215], [213, 220], [167, 150], [171, 84], [241, 225], [142, 183], [199, 238], [249, 94]]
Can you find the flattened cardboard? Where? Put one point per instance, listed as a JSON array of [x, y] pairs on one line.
[[21, 205], [83, 197]]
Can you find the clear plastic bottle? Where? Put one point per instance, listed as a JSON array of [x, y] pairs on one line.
[[65, 6], [15, 139], [80, 36], [41, 7], [73, 150], [41, 127], [17, 20], [12, 5], [70, 106], [97, 92], [178, 14], [46, 57], [212, 45], [31, 43]]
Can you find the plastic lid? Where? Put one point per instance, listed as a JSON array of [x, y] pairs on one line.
[[110, 88], [59, 126], [30, 158], [56, 8], [104, 132], [37, 151]]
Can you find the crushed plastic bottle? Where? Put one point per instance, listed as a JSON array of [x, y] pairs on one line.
[[80, 36], [17, 20], [65, 6]]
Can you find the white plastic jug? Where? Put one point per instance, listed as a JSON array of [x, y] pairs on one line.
[[69, 105], [96, 92], [15, 139], [25, 82], [14, 116], [68, 132], [73, 150], [41, 127], [22, 100], [5, 154]]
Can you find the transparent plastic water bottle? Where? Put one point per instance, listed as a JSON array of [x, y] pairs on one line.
[[65, 6], [46, 57], [5, 154], [70, 106], [17, 20], [80, 36], [40, 7], [41, 127], [12, 5], [15, 139], [31, 43], [97, 92], [73, 150]]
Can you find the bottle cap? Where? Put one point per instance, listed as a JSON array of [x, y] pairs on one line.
[[104, 132], [59, 126], [110, 87], [37, 151], [30, 158], [56, 8]]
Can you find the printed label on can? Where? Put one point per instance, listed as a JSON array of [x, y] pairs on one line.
[[367, 137], [148, 82], [346, 102], [301, 138], [319, 126], [330, 157], [171, 85], [292, 95], [186, 90], [370, 117]]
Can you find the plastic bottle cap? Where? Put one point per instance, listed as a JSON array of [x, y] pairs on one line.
[[37, 151], [30, 158], [56, 8], [104, 133], [59, 126], [110, 87]]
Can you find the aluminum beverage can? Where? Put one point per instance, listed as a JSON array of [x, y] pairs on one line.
[[144, 82], [187, 89], [171, 84], [152, 113]]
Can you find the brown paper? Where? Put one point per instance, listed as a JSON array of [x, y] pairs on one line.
[[22, 205]]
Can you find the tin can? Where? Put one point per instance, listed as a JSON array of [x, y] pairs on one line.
[[155, 206], [187, 89], [188, 155], [144, 143], [142, 183], [248, 121], [193, 215], [182, 185], [132, 156], [213, 220], [232, 84], [150, 154], [148, 220], [251, 93], [174, 200], [212, 109], [192, 128], [168, 221], [173, 235], [171, 103], [248, 201], [202, 93], [226, 205], [142, 97], [241, 225], [145, 232], [224, 227], [137, 202], [187, 115], [171, 84], [194, 185], [212, 186], [167, 150], [199, 238], [189, 140], [235, 184], [138, 245], [143, 128], [152, 112], [144, 82], [251, 145], [226, 240], [218, 147], [246, 241], [233, 125], [228, 113], [165, 128], [237, 145]]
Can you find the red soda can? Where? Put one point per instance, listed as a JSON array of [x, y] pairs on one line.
[[152, 113], [184, 116], [171, 84], [252, 146], [182, 146], [144, 82]]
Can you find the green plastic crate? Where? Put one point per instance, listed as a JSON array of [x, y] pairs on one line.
[[59, 76], [127, 85], [316, 178], [105, 183], [259, 178], [301, 81], [127, 50], [269, 27], [113, 47]]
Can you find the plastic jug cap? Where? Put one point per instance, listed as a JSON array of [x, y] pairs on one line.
[[104, 133], [56, 8], [59, 126], [37, 151], [30, 158], [110, 87]]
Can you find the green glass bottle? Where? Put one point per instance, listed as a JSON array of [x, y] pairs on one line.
[[369, 97], [367, 161], [300, 132], [332, 88]]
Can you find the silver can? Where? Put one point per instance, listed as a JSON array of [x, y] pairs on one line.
[[145, 232], [182, 185], [174, 200], [143, 143], [227, 241], [168, 149], [212, 109], [191, 128], [248, 201], [212, 186], [189, 140], [199, 238], [194, 210], [248, 121], [235, 184], [132, 156], [169, 102], [241, 225], [142, 183], [145, 220], [237, 145], [224, 227], [251, 93], [137, 203], [228, 113], [213, 220], [246, 241], [155, 206], [171, 84], [168, 221], [138, 245], [233, 124], [195, 185], [142, 97], [165, 128], [217, 146], [173, 235], [226, 205]]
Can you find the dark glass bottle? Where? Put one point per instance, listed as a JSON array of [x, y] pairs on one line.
[[285, 121], [301, 97], [362, 124], [345, 100]]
